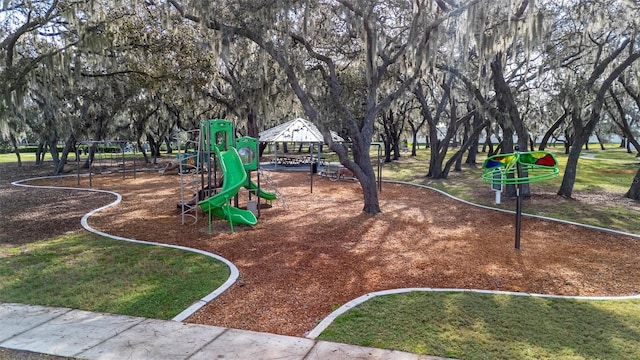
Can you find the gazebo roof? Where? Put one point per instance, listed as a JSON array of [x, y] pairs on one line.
[[296, 130]]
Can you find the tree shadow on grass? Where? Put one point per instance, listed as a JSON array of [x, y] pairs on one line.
[[552, 328], [95, 274], [481, 326]]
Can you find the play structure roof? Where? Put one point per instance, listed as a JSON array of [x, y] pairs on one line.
[[296, 130]]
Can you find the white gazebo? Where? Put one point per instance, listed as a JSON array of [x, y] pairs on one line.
[[296, 131]]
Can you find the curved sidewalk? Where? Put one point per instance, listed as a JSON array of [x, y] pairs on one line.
[[88, 335]]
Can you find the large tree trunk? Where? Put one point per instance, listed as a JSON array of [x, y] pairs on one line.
[[580, 138], [154, 147], [167, 143], [16, 148], [391, 135], [569, 137], [252, 125], [414, 135], [470, 141], [475, 140], [361, 167], [53, 150], [90, 155], [414, 139], [436, 159], [143, 151], [634, 190], [68, 146], [465, 139], [261, 148], [396, 149], [368, 185], [40, 152], [387, 150], [600, 140], [487, 147]]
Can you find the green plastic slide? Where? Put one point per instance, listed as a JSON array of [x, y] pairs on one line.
[[263, 194], [234, 178]]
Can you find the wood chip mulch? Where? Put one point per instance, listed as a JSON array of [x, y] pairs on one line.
[[313, 251]]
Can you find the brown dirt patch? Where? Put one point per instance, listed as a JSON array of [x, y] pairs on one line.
[[303, 260]]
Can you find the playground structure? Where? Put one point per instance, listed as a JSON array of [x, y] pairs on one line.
[[213, 173], [516, 169], [102, 157]]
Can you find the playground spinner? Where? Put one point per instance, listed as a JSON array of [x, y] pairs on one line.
[[519, 168]]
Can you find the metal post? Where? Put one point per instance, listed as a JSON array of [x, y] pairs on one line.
[[379, 168], [78, 162], [311, 167], [134, 161], [124, 164], [518, 214], [258, 195], [518, 203]]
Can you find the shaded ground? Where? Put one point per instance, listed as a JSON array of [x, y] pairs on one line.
[[315, 251]]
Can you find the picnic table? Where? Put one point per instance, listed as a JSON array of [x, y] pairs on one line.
[[336, 171], [297, 160]]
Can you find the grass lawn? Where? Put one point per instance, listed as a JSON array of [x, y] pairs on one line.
[[88, 272], [104, 157], [482, 326]]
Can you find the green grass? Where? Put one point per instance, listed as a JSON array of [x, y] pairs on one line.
[[612, 152], [610, 172], [99, 274], [31, 157], [482, 326], [11, 158]]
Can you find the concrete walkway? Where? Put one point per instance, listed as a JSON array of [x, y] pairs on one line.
[[87, 335]]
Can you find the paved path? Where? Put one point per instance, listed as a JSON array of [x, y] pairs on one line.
[[88, 335]]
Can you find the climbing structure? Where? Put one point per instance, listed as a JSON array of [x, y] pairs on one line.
[[224, 165], [189, 168]]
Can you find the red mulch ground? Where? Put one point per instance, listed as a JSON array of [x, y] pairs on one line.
[[315, 251]]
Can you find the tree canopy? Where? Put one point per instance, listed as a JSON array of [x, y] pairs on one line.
[[521, 71]]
